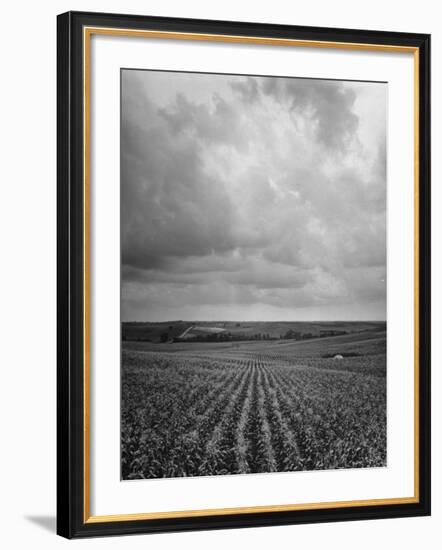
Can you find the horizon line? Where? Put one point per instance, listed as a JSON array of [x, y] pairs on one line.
[[252, 321]]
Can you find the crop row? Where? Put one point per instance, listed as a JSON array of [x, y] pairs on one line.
[[202, 414]]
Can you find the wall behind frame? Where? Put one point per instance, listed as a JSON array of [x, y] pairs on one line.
[[28, 279]]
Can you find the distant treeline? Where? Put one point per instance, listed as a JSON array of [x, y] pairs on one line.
[[297, 335], [226, 337], [240, 336], [171, 333]]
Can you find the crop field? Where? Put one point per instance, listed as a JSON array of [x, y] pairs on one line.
[[199, 409]]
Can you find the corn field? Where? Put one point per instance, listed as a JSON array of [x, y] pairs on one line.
[[214, 412]]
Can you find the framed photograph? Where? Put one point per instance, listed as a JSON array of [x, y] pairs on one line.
[[243, 274]]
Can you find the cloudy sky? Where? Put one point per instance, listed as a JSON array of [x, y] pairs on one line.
[[252, 198]]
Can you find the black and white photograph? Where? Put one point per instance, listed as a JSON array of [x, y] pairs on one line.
[[253, 274]]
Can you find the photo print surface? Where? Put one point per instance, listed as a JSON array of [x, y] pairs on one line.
[[253, 274]]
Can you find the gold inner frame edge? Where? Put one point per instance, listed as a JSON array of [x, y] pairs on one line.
[[87, 33]]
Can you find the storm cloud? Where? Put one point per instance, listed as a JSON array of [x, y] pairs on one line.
[[255, 198]]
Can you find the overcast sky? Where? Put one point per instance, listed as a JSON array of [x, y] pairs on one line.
[[252, 198]]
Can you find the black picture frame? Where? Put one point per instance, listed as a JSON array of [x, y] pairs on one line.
[[71, 498]]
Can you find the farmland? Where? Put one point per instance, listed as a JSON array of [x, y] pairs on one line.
[[198, 409]]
